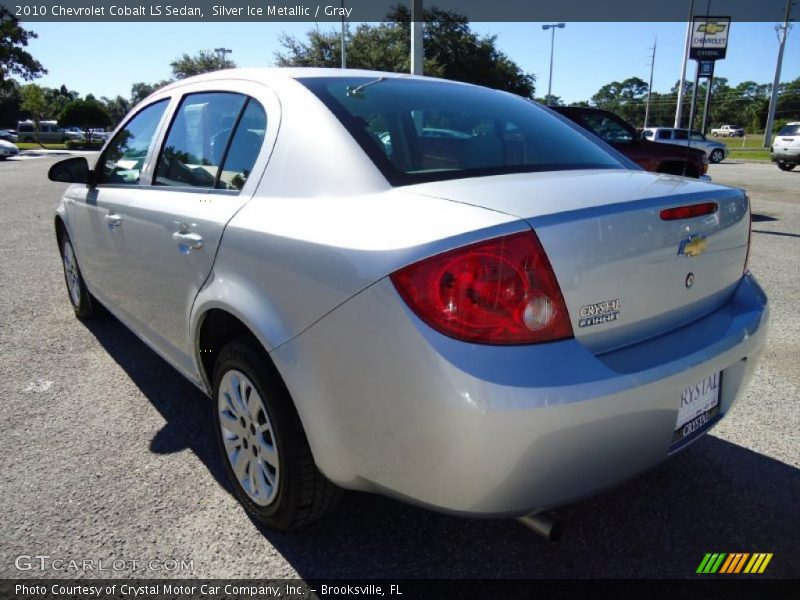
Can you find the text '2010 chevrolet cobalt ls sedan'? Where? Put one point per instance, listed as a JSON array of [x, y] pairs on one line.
[[422, 288]]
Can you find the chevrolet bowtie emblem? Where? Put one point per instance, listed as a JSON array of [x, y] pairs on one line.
[[711, 28], [694, 246]]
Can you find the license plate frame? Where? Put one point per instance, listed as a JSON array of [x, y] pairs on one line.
[[698, 409]]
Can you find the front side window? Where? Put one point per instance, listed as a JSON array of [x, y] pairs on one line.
[[124, 157], [698, 137], [681, 134], [416, 131], [198, 139]]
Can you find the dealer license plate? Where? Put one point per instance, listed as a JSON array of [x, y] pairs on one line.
[[699, 406]]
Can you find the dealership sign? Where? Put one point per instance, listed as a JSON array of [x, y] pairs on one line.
[[709, 37]]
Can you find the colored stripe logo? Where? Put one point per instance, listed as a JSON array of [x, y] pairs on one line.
[[734, 563]]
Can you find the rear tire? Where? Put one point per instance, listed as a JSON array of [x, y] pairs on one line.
[[784, 166], [264, 447], [79, 296]]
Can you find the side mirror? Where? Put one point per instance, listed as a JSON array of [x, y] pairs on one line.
[[71, 170]]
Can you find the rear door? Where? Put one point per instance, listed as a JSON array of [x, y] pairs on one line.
[[207, 167]]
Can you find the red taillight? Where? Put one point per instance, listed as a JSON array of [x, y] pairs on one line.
[[502, 291], [689, 211]]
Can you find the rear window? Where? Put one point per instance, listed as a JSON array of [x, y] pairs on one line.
[[418, 131], [790, 130]]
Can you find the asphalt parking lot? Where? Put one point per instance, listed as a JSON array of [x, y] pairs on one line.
[[107, 453]]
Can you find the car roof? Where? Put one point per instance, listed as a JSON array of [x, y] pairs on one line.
[[282, 74]]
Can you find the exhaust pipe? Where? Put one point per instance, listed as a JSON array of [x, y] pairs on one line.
[[545, 525]]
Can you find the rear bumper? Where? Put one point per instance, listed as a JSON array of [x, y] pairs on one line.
[[391, 406], [789, 155]]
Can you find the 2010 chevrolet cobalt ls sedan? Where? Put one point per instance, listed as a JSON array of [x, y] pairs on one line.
[[422, 288]]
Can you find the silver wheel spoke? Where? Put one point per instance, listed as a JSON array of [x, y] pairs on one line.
[[268, 453], [262, 484], [231, 423], [240, 463]]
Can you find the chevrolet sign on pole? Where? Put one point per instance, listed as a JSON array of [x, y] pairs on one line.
[[709, 37]]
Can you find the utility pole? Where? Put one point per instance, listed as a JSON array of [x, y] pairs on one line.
[[417, 23], [222, 53], [709, 83], [782, 31], [650, 85], [681, 83], [344, 39], [552, 27]]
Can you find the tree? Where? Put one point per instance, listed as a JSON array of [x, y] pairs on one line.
[[203, 62], [34, 102], [116, 108], [57, 99], [10, 101], [86, 114], [626, 98], [14, 59], [452, 51]]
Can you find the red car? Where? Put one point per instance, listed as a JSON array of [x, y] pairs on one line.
[[615, 131]]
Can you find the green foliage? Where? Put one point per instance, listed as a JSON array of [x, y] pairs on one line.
[[33, 101], [204, 61], [452, 51], [81, 145], [86, 114], [14, 59]]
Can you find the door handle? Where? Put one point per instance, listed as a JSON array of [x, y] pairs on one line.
[[187, 241], [113, 221]]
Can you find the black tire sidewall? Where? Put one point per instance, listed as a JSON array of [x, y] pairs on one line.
[[241, 356]]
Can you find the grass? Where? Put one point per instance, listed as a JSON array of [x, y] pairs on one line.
[[749, 147], [751, 141], [35, 146], [749, 154]]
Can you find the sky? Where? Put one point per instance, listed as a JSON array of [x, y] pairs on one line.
[[106, 58]]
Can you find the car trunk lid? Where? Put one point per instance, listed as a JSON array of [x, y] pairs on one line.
[[626, 274]]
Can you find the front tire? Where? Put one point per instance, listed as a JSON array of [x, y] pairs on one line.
[[716, 156], [263, 444], [784, 166], [79, 296]]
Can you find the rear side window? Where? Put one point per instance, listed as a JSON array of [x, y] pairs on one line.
[[197, 139], [790, 130], [416, 131], [664, 134], [681, 134], [244, 147], [124, 157]]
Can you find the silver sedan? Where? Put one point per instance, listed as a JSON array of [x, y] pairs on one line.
[[421, 288]]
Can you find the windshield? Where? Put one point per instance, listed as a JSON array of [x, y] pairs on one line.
[[790, 130], [416, 131]]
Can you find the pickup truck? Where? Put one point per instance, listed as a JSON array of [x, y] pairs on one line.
[[728, 131]]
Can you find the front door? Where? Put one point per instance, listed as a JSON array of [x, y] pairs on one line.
[[169, 230]]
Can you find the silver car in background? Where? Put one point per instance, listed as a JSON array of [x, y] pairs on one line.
[[421, 288], [716, 151]]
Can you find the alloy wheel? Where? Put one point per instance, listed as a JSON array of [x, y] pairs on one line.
[[248, 437]]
